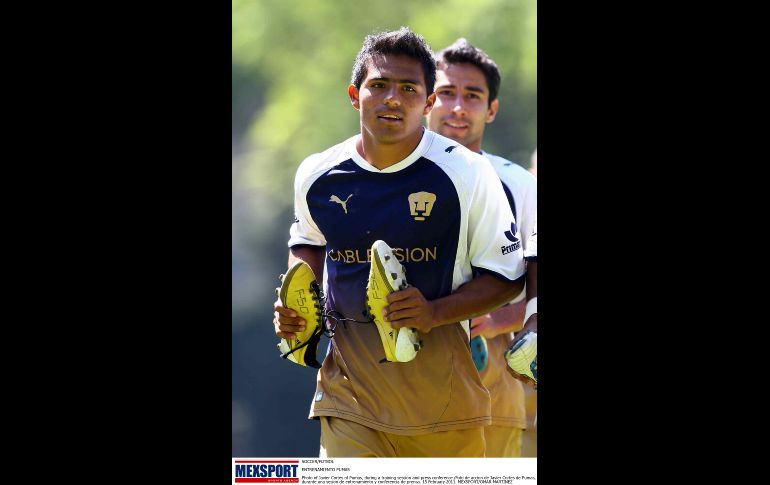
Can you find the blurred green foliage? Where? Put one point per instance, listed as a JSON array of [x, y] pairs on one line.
[[291, 65]]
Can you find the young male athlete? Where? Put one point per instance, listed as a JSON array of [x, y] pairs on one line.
[[467, 83], [442, 210]]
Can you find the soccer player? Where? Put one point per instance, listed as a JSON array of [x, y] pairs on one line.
[[443, 211], [467, 83]]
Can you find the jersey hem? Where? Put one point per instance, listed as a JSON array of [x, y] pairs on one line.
[[403, 430], [509, 422]]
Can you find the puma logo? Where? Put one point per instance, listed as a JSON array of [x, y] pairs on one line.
[[344, 203]]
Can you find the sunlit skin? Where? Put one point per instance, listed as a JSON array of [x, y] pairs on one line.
[[462, 107], [392, 101]]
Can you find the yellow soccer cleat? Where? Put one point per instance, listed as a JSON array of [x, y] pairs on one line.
[[387, 275], [300, 292], [522, 358]]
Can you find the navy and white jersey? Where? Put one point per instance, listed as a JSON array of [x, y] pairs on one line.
[[521, 191], [507, 395], [444, 212]]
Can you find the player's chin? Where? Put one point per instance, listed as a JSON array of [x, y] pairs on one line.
[[390, 137]]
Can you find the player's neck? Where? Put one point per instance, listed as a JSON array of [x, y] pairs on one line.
[[384, 155]]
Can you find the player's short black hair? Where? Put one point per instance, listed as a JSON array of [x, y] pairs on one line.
[[463, 52], [396, 42]]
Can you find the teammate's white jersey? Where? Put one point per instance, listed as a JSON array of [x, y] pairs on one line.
[[521, 191], [530, 253], [507, 394]]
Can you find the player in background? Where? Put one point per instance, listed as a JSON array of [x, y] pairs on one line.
[[467, 84]]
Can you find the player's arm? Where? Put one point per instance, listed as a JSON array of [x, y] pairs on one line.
[[306, 242], [531, 315], [502, 278], [530, 254], [510, 318], [409, 308], [531, 324], [507, 319], [312, 255], [285, 320]]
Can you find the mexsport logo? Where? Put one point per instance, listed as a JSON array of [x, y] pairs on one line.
[[266, 471]]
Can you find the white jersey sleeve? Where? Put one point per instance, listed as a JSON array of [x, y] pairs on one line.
[[491, 241], [531, 250], [489, 212], [522, 186], [304, 230], [521, 191], [528, 216]]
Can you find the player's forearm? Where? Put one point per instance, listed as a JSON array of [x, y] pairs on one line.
[[477, 297], [509, 318]]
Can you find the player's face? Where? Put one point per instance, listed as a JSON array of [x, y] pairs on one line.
[[462, 107], [392, 99]]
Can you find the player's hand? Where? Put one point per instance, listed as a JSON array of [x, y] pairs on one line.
[[286, 321], [409, 308], [504, 320], [529, 326], [481, 326], [508, 318]]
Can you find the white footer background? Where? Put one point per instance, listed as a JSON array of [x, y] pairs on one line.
[[385, 471]]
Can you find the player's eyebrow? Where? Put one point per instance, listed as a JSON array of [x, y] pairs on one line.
[[475, 89], [401, 81]]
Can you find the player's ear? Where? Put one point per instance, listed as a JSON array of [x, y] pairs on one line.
[[492, 110], [429, 103], [353, 95]]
